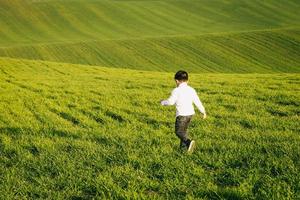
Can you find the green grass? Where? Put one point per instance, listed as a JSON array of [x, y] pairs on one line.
[[80, 132], [52, 21], [236, 36], [265, 51], [95, 129]]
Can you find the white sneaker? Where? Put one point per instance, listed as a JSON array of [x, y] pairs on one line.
[[191, 146]]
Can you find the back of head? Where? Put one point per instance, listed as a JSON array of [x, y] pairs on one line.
[[181, 76]]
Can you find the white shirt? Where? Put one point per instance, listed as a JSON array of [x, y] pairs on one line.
[[183, 97]]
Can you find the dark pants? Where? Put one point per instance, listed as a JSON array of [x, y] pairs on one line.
[[181, 126]]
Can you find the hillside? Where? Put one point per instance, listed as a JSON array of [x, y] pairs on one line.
[[265, 51], [82, 132], [80, 20], [199, 35]]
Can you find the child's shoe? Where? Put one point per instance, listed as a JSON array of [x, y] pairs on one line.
[[191, 146]]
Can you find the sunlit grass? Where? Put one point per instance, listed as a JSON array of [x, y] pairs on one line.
[[236, 36], [72, 131]]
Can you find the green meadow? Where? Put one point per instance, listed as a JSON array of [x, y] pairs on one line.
[[258, 51], [236, 36], [72, 131], [80, 89]]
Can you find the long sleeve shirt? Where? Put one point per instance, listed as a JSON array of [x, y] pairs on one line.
[[183, 97]]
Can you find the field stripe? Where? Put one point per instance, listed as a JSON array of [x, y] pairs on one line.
[[255, 51], [29, 22]]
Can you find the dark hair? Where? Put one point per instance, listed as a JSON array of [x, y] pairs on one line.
[[181, 76]]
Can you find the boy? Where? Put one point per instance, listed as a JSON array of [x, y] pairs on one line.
[[183, 96]]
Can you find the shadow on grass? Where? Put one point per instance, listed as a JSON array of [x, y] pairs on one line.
[[16, 132], [67, 116], [33, 150], [87, 192], [115, 116], [93, 116], [247, 124], [222, 194], [63, 134], [146, 119], [277, 112]]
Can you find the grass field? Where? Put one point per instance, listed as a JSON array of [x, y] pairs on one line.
[[239, 36], [81, 82], [72, 131], [267, 51], [43, 21]]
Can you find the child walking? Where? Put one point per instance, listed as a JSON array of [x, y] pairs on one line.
[[183, 96]]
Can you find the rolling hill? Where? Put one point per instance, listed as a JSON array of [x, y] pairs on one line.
[[267, 51], [199, 35]]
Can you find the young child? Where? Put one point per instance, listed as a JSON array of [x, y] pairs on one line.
[[183, 96]]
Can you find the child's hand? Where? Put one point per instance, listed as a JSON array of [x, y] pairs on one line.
[[204, 116], [164, 102]]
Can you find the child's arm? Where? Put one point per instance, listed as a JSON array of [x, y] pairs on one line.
[[199, 104], [171, 100]]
